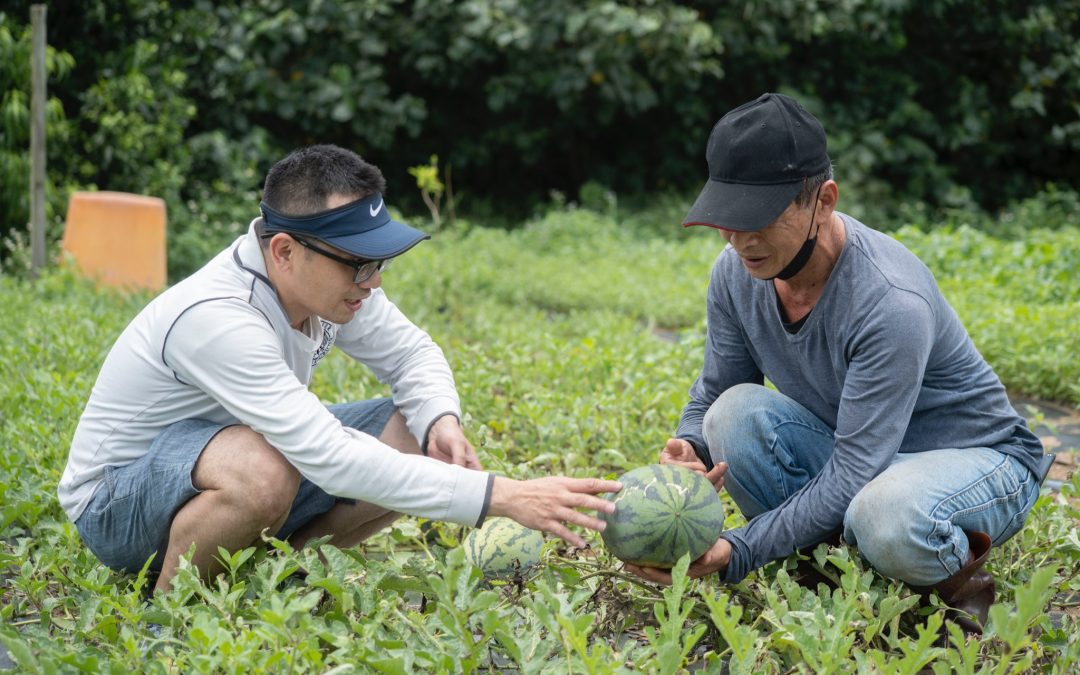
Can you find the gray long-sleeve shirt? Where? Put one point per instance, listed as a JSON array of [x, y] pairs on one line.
[[882, 359]]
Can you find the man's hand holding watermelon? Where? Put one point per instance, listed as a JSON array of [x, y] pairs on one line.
[[714, 560], [679, 452]]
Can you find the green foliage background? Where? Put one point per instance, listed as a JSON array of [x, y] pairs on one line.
[[947, 103], [954, 123]]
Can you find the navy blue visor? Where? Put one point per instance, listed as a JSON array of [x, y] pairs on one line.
[[363, 228]]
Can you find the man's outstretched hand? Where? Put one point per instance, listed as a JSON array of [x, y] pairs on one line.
[[548, 504], [680, 453], [714, 560]]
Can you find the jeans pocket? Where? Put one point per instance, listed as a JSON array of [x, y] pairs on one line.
[[113, 525], [102, 499], [121, 486], [1027, 494], [1013, 527]]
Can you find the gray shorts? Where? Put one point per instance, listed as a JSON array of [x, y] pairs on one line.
[[129, 517]]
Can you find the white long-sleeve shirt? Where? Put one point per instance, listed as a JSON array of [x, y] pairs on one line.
[[218, 346]]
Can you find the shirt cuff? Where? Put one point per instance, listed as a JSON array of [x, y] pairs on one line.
[[427, 432], [419, 422], [737, 568], [487, 500], [471, 496]]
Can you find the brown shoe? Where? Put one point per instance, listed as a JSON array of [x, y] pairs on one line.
[[806, 573], [970, 592]]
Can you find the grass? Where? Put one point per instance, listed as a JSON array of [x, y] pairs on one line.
[[573, 343]]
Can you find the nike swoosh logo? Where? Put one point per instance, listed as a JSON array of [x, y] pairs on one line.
[[375, 211]]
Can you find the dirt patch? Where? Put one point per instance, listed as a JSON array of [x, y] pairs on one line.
[[1056, 425], [1064, 466]]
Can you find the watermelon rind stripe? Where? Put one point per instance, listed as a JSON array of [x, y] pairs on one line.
[[502, 547], [662, 512]]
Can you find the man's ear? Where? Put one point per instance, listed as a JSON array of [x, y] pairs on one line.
[[829, 196], [281, 251]]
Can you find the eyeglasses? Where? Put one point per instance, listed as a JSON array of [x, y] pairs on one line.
[[365, 269]]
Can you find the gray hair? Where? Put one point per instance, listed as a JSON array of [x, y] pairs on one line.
[[810, 186]]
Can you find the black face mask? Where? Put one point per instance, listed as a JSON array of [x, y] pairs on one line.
[[803, 255]]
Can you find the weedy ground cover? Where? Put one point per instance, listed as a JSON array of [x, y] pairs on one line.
[[573, 344]]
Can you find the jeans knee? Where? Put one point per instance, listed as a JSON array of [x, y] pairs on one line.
[[725, 422], [884, 527]]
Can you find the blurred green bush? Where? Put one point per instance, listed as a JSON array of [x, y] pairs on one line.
[[941, 105]]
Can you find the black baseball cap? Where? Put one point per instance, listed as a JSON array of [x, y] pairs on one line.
[[758, 154]]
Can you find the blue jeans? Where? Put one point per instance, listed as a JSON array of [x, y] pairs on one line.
[[908, 522]]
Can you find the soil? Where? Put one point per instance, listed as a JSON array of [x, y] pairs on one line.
[[1059, 431]]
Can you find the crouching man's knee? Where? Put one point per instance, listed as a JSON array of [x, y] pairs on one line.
[[731, 423], [256, 480], [270, 493], [891, 535]]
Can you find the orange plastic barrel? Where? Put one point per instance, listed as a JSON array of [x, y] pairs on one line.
[[117, 239]]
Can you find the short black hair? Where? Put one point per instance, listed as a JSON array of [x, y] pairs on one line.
[[302, 183]]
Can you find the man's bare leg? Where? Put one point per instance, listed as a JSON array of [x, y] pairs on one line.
[[248, 486], [350, 524]]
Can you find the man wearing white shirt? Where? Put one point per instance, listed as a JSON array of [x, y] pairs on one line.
[[201, 428]]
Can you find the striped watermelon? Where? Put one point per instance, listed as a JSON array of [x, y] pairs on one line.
[[661, 513], [502, 547]]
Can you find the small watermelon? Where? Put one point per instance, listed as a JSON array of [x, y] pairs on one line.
[[661, 513], [502, 547]]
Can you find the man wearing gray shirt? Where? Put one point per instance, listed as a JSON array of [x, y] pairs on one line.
[[886, 426]]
